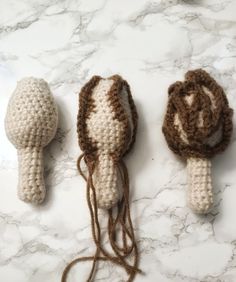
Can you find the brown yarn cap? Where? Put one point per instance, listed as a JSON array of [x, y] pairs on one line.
[[201, 118], [119, 219]]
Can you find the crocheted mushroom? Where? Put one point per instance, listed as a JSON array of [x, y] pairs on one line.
[[198, 125], [31, 123], [107, 123], [106, 127]]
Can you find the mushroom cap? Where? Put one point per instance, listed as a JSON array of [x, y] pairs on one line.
[[32, 116], [198, 121], [107, 117]]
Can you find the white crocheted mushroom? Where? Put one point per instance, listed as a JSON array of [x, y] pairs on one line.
[[31, 123]]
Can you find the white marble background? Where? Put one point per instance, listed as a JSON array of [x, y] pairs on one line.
[[151, 44]]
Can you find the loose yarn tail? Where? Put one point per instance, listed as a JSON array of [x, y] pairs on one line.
[[121, 220]]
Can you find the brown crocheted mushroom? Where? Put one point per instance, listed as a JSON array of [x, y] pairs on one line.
[[198, 125]]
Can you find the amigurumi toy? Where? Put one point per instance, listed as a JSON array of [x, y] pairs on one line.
[[197, 126], [107, 123], [31, 123]]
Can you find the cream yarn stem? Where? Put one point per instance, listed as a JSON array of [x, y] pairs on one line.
[[31, 187], [106, 182], [200, 195]]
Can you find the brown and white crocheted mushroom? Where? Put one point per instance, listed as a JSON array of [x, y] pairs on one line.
[[31, 123], [198, 125], [106, 125]]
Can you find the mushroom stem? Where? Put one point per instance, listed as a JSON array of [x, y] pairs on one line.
[[200, 195], [31, 187], [106, 179]]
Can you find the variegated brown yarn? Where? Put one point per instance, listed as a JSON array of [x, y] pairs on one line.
[[107, 125], [86, 105], [198, 137], [197, 126]]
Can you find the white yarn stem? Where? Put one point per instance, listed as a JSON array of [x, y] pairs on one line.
[[200, 195], [106, 177], [31, 187]]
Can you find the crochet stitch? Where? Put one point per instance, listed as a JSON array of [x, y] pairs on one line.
[[198, 125], [107, 124], [31, 123]]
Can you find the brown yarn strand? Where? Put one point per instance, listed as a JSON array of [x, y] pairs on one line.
[[126, 232], [122, 217]]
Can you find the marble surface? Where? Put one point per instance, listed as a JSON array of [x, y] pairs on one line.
[[151, 44]]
